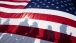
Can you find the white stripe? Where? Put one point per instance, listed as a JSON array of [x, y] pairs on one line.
[[41, 24], [51, 12], [8, 10], [13, 38], [13, 3], [42, 11]]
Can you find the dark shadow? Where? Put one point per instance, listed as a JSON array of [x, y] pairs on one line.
[[63, 28], [24, 23], [74, 3], [4, 27], [23, 27], [64, 38], [71, 34], [0, 26], [0, 22], [34, 31], [6, 22], [48, 35]]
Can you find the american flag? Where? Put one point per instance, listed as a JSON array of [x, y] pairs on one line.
[[37, 21]]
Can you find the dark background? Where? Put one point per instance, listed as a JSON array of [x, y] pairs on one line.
[[74, 2]]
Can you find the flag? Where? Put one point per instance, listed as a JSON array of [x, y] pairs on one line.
[[12, 8], [42, 21]]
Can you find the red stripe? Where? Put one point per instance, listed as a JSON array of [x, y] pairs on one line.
[[11, 15], [41, 33], [52, 18], [12, 6], [16, 0], [46, 17]]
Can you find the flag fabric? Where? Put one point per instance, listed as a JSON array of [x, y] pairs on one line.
[[12, 8], [37, 21]]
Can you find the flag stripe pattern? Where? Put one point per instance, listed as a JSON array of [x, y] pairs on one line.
[[46, 17], [15, 1], [11, 15], [48, 12], [12, 7], [21, 31], [30, 22], [13, 28]]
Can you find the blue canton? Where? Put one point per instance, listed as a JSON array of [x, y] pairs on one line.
[[61, 5]]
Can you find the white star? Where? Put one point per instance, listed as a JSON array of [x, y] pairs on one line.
[[30, 6], [38, 5], [47, 6], [67, 10], [57, 3], [66, 5], [37, 0], [52, 4], [43, 3], [48, 2], [61, 1], [33, 2], [62, 6], [71, 8], [40, 2], [57, 7]]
